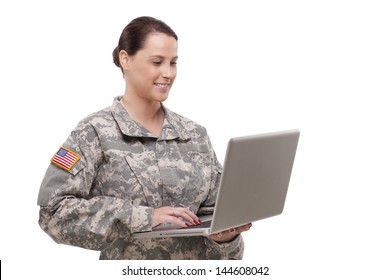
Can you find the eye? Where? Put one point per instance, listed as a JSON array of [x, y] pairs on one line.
[[174, 63], [156, 62]]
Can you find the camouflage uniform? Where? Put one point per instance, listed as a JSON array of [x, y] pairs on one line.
[[124, 172]]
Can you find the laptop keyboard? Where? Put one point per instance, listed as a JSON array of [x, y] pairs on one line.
[[205, 224]]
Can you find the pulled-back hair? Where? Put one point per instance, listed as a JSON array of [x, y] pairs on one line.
[[134, 35]]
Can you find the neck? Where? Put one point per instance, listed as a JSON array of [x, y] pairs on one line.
[[140, 109], [150, 114]]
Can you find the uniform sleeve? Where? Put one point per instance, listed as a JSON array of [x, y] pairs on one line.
[[227, 250], [69, 212]]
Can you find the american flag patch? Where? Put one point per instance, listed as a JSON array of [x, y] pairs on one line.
[[65, 158]]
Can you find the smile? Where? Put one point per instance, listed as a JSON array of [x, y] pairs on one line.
[[161, 85]]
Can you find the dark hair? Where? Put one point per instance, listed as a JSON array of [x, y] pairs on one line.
[[135, 33]]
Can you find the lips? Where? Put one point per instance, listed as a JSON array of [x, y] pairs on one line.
[[162, 85]]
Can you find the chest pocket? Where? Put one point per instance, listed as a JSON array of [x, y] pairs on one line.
[[130, 173], [196, 154]]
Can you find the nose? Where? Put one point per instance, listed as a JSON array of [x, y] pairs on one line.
[[168, 71]]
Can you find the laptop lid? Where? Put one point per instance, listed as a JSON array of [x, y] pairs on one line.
[[255, 179], [253, 186]]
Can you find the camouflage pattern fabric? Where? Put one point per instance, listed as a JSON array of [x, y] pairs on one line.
[[124, 172]]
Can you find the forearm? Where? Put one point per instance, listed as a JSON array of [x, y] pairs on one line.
[[95, 223]]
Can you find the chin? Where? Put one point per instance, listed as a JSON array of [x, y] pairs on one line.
[[162, 96], [163, 99]]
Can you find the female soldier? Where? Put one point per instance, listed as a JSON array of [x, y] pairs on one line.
[[136, 164]]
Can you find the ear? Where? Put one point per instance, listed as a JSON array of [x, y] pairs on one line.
[[124, 60]]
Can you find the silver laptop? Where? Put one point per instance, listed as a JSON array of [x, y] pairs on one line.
[[255, 178]]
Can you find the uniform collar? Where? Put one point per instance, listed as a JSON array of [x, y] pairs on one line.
[[173, 127]]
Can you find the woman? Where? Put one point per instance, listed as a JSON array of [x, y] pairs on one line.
[[136, 164]]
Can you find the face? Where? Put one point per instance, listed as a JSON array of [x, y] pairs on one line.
[[150, 73]]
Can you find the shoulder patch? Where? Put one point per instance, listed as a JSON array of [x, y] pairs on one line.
[[65, 158]]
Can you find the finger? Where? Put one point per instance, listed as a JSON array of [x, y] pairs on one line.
[[179, 216], [224, 236], [216, 236], [221, 233], [175, 220], [187, 215], [190, 213], [232, 232], [243, 228]]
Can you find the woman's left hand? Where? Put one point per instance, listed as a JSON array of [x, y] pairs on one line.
[[230, 234]]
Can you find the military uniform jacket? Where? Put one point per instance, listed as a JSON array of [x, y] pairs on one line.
[[121, 173]]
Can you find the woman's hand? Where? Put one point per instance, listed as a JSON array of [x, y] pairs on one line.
[[176, 215], [230, 234]]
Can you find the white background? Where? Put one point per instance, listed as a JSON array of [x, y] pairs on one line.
[[245, 67]]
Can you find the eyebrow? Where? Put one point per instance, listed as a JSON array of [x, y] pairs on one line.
[[162, 57]]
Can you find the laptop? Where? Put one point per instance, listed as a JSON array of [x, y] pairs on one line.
[[253, 186]]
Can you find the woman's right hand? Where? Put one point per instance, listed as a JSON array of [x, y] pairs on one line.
[[177, 215]]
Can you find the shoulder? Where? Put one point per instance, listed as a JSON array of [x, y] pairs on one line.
[[96, 119], [100, 116]]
